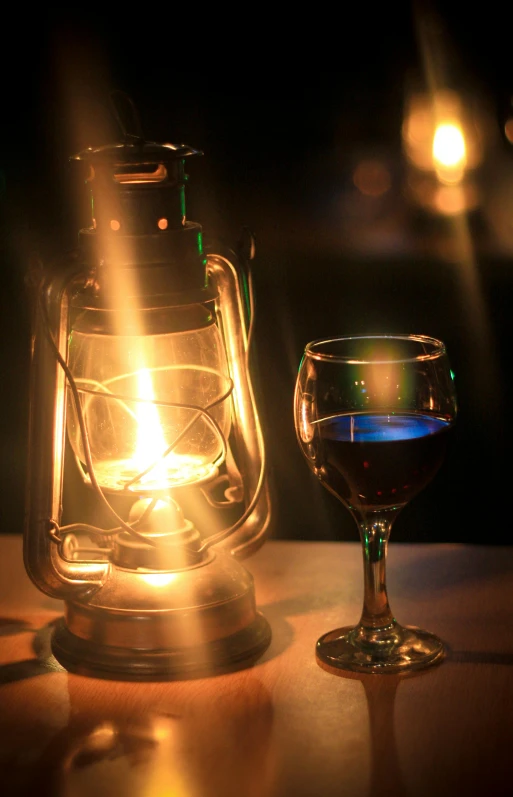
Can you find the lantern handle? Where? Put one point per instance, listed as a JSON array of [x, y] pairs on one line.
[[249, 532]]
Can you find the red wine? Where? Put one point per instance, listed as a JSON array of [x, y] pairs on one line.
[[374, 461]]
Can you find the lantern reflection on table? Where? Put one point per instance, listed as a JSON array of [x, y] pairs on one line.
[[140, 353]]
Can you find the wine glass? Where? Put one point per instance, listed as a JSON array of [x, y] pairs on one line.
[[373, 415]]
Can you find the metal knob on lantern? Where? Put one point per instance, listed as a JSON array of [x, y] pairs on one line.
[[140, 362]]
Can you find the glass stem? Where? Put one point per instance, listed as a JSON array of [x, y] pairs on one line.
[[377, 621]]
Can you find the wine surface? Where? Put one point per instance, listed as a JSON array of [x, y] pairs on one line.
[[374, 461]]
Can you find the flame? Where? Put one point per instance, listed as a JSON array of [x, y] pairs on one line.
[[151, 443], [449, 152], [163, 472]]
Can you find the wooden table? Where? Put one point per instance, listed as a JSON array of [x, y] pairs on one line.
[[285, 727]]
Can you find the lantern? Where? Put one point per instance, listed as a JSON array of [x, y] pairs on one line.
[[140, 379]]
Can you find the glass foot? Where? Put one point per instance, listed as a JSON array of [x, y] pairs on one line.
[[405, 648]]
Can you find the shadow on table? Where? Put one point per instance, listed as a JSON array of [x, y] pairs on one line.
[[478, 657], [132, 739], [44, 662], [278, 612], [209, 736], [386, 776]]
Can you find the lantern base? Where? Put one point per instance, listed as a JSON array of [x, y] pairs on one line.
[[142, 625], [102, 661]]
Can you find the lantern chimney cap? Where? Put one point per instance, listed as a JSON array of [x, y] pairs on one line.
[[133, 148], [136, 151]]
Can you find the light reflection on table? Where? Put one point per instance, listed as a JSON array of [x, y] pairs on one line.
[[284, 726]]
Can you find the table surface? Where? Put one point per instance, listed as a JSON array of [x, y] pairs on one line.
[[284, 726]]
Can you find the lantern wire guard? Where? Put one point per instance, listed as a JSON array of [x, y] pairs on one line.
[[140, 355]]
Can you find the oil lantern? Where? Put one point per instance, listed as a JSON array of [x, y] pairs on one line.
[[140, 379]]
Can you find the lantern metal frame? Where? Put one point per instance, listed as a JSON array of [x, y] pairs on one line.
[[122, 618]]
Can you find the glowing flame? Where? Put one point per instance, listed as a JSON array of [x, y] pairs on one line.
[[150, 443], [163, 472], [449, 152]]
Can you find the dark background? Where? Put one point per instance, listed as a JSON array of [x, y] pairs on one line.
[[282, 139]]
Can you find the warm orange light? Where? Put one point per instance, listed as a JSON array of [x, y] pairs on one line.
[[159, 472], [508, 130], [150, 445], [449, 152], [442, 133], [453, 200], [158, 579]]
